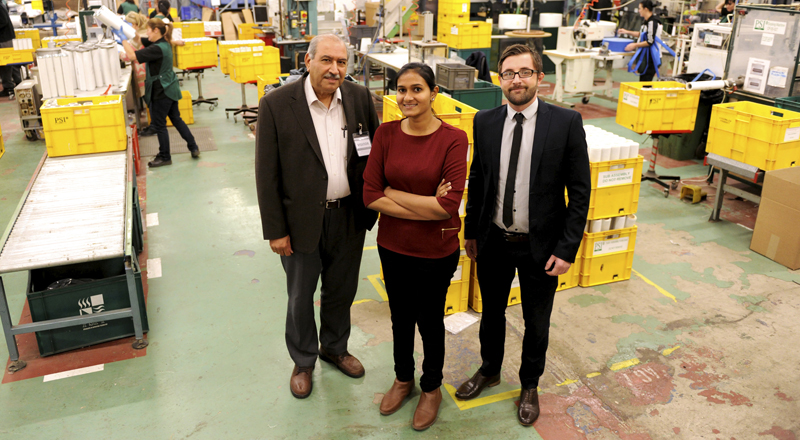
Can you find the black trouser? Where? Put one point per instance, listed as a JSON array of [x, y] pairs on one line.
[[160, 109], [9, 75], [417, 289], [496, 264], [337, 261], [647, 76]]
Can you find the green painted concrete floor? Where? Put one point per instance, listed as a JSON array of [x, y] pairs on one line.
[[699, 344]]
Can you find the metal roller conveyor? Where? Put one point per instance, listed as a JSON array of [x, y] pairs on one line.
[[75, 211]]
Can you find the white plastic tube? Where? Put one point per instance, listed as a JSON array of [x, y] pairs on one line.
[[80, 76], [60, 80], [705, 85], [110, 19], [88, 69], [618, 222], [106, 66], [44, 77], [630, 221], [97, 65], [69, 75]]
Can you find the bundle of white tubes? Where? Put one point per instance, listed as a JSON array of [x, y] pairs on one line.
[[112, 20], [74, 67], [22, 44], [610, 224], [604, 145]]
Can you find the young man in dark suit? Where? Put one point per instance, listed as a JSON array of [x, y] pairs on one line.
[[312, 143], [526, 153]]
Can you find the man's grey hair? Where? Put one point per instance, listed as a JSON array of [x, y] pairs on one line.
[[312, 48]]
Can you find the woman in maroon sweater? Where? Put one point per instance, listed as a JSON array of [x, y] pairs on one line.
[[415, 178]]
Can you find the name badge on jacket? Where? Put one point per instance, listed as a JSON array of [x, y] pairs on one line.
[[363, 144]]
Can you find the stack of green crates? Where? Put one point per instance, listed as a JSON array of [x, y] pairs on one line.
[[485, 95]]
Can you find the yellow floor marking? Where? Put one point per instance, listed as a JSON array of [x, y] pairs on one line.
[[369, 248], [469, 404], [624, 364], [591, 375], [374, 279], [659, 288], [669, 351], [566, 382], [361, 301]]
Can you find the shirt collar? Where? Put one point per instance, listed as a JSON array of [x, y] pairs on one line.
[[528, 113], [311, 95]]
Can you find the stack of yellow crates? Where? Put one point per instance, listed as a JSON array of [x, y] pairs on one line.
[[84, 125], [246, 31], [246, 64], [755, 134], [226, 46], [185, 107], [33, 34], [455, 29], [196, 53]]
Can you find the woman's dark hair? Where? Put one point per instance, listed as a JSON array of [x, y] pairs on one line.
[[422, 70], [163, 7], [647, 4], [164, 28]]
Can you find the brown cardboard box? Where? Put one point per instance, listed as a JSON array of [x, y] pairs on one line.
[[229, 22], [777, 232], [248, 16], [370, 9], [208, 14]]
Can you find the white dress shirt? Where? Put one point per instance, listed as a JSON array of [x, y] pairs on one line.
[[523, 177], [328, 124]]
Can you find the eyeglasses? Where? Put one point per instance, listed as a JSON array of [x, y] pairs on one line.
[[509, 75]]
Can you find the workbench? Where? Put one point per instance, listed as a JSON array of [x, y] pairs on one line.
[[748, 174], [395, 61], [75, 210]]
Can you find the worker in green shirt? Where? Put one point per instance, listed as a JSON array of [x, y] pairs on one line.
[[126, 7]]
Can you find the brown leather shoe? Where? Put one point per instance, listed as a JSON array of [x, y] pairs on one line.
[[393, 399], [346, 362], [427, 410], [473, 387], [300, 383], [528, 407]]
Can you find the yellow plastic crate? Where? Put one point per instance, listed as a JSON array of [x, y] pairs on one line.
[[458, 293], [226, 46], [449, 110], [246, 31], [11, 56], [475, 301], [659, 106], [607, 256], [454, 7], [615, 188], [191, 29], [758, 135], [248, 63], [90, 125], [33, 34], [37, 4], [60, 40], [465, 35], [452, 18], [495, 78], [196, 53], [2, 146], [185, 107], [263, 80]]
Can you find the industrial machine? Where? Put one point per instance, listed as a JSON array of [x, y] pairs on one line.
[[579, 38], [29, 100], [709, 48]]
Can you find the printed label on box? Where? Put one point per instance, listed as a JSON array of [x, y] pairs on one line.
[[767, 39], [465, 8], [777, 77], [792, 134], [773, 27], [615, 177], [457, 274], [630, 99], [454, 30], [609, 246]]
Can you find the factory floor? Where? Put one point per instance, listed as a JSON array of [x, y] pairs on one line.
[[700, 343]]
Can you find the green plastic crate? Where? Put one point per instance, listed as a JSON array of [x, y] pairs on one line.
[[485, 95], [465, 53], [791, 103], [108, 292]]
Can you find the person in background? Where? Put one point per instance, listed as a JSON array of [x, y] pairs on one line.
[[526, 154], [139, 23], [162, 11], [725, 9], [312, 145], [127, 7], [162, 91], [647, 48], [9, 75], [415, 178]]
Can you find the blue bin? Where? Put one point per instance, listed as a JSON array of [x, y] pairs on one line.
[[617, 44]]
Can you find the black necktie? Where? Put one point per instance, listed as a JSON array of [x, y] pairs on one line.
[[508, 198]]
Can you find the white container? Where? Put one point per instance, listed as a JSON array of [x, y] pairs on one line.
[[606, 224], [596, 226], [633, 150], [615, 151], [512, 21], [618, 222], [549, 20], [605, 154], [595, 154]]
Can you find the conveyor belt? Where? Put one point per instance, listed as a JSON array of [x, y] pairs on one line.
[[74, 212]]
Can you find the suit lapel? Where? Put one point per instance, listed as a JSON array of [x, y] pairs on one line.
[[348, 102], [495, 131], [303, 114], [539, 138]]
